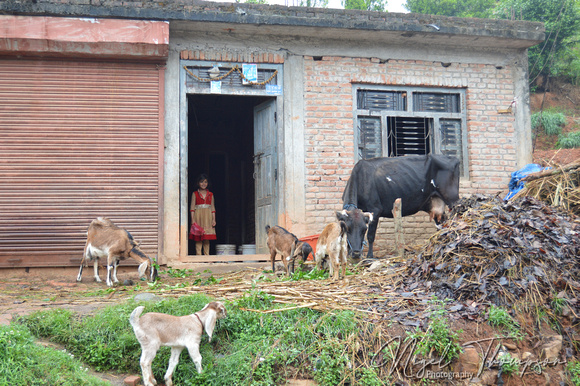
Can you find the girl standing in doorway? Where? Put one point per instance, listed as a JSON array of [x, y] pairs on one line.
[[203, 213]]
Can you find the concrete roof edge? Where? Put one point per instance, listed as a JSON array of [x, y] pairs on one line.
[[258, 14]]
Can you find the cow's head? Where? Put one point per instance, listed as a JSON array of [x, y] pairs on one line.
[[355, 223], [446, 174]]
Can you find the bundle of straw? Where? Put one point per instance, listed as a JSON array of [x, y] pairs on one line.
[[559, 186]]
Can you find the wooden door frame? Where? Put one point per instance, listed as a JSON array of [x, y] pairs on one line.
[[184, 136]]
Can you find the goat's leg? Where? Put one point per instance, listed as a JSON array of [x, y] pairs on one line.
[[147, 356], [193, 350], [110, 266], [80, 275], [273, 260], [96, 269], [342, 258], [334, 265], [115, 280], [173, 361]]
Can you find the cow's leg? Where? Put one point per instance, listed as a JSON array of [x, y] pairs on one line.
[[371, 233], [96, 269]]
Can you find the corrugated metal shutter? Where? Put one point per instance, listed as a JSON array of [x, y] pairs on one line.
[[78, 140]]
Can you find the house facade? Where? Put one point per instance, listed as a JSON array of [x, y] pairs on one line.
[[113, 109]]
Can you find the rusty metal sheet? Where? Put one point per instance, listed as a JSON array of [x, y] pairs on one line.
[[79, 140]]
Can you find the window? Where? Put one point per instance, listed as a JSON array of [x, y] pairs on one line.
[[401, 121]]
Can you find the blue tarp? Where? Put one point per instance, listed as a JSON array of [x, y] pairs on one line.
[[516, 184]]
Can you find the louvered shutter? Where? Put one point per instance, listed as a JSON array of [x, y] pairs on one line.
[[369, 137], [381, 100], [79, 140]]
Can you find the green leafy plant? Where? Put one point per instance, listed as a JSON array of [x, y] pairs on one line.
[[569, 141], [499, 317], [509, 365], [573, 369], [551, 122], [179, 273], [438, 338], [314, 274]]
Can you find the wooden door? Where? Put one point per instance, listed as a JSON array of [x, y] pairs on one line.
[[265, 170]]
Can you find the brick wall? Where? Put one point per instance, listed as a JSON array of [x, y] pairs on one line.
[[329, 136]]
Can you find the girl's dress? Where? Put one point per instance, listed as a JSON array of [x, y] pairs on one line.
[[203, 215]]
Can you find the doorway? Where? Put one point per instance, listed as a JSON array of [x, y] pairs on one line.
[[221, 145]]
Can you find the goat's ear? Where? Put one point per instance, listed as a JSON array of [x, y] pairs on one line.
[[342, 215], [298, 248], [210, 323]]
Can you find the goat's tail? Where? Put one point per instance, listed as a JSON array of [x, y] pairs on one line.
[[134, 318], [153, 269]]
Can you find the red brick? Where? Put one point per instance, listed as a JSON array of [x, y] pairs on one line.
[[132, 380]]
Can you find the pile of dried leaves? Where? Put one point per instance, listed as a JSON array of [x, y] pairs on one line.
[[559, 186], [502, 252]]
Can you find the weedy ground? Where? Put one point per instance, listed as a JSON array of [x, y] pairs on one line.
[[262, 341]]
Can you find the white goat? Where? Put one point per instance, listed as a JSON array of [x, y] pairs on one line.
[[154, 330]]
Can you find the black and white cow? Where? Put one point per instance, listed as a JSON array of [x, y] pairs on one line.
[[424, 183]]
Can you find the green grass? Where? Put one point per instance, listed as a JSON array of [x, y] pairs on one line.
[[249, 347], [569, 141], [500, 318], [509, 365], [438, 338], [23, 362], [552, 122]]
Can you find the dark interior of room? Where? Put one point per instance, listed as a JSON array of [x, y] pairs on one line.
[[221, 145]]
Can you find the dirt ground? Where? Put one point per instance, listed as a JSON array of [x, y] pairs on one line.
[[37, 290]]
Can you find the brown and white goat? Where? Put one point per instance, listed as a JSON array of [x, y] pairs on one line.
[[154, 330], [333, 241], [106, 240], [283, 243]]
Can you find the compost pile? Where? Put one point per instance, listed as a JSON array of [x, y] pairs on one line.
[[501, 252], [559, 186]]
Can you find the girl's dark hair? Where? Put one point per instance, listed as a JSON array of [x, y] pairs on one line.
[[202, 177]]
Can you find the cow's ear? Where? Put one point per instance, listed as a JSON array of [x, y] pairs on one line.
[[342, 215], [368, 217]]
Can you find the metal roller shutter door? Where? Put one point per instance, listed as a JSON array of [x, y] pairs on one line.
[[79, 140]]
